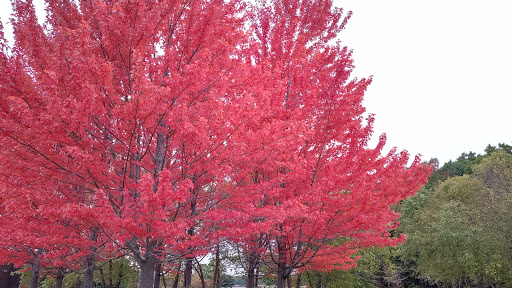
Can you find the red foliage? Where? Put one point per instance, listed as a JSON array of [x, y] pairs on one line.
[[165, 125]]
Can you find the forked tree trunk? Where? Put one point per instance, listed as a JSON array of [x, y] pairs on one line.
[[146, 261], [252, 270]]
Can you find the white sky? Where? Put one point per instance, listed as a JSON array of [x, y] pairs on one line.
[[442, 71]]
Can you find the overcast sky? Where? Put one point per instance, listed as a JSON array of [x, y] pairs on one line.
[[442, 71]]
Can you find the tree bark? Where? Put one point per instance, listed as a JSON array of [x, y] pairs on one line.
[[59, 279], [281, 273], [163, 280], [200, 273], [256, 276], [216, 271], [250, 278], [187, 280], [189, 266], [34, 275], [110, 276], [90, 262], [319, 281], [102, 274], [146, 261], [176, 281], [120, 275], [147, 270], [252, 270], [158, 270]]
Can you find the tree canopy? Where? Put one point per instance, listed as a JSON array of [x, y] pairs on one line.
[[156, 129]]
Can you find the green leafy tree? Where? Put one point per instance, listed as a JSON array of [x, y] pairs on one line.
[[459, 231]]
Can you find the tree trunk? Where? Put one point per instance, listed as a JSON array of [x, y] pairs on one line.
[[187, 280], [176, 281], [34, 275], [281, 273], [146, 260], [59, 279], [250, 277], [102, 274], [252, 270], [163, 280], [90, 262], [110, 276], [199, 270], [120, 275], [147, 270], [158, 270], [289, 281], [319, 281], [480, 281], [256, 276], [297, 284], [216, 271]]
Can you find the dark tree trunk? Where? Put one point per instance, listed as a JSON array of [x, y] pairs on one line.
[[158, 270], [216, 271], [59, 279], [251, 279], [110, 276], [289, 281], [120, 275], [89, 271], [147, 270], [319, 281], [252, 270], [34, 275], [281, 273], [199, 270], [176, 281], [90, 262], [102, 274], [163, 280], [146, 261], [187, 280], [257, 278], [189, 265]]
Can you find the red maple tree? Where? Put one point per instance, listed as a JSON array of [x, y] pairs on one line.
[[162, 126], [335, 193]]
